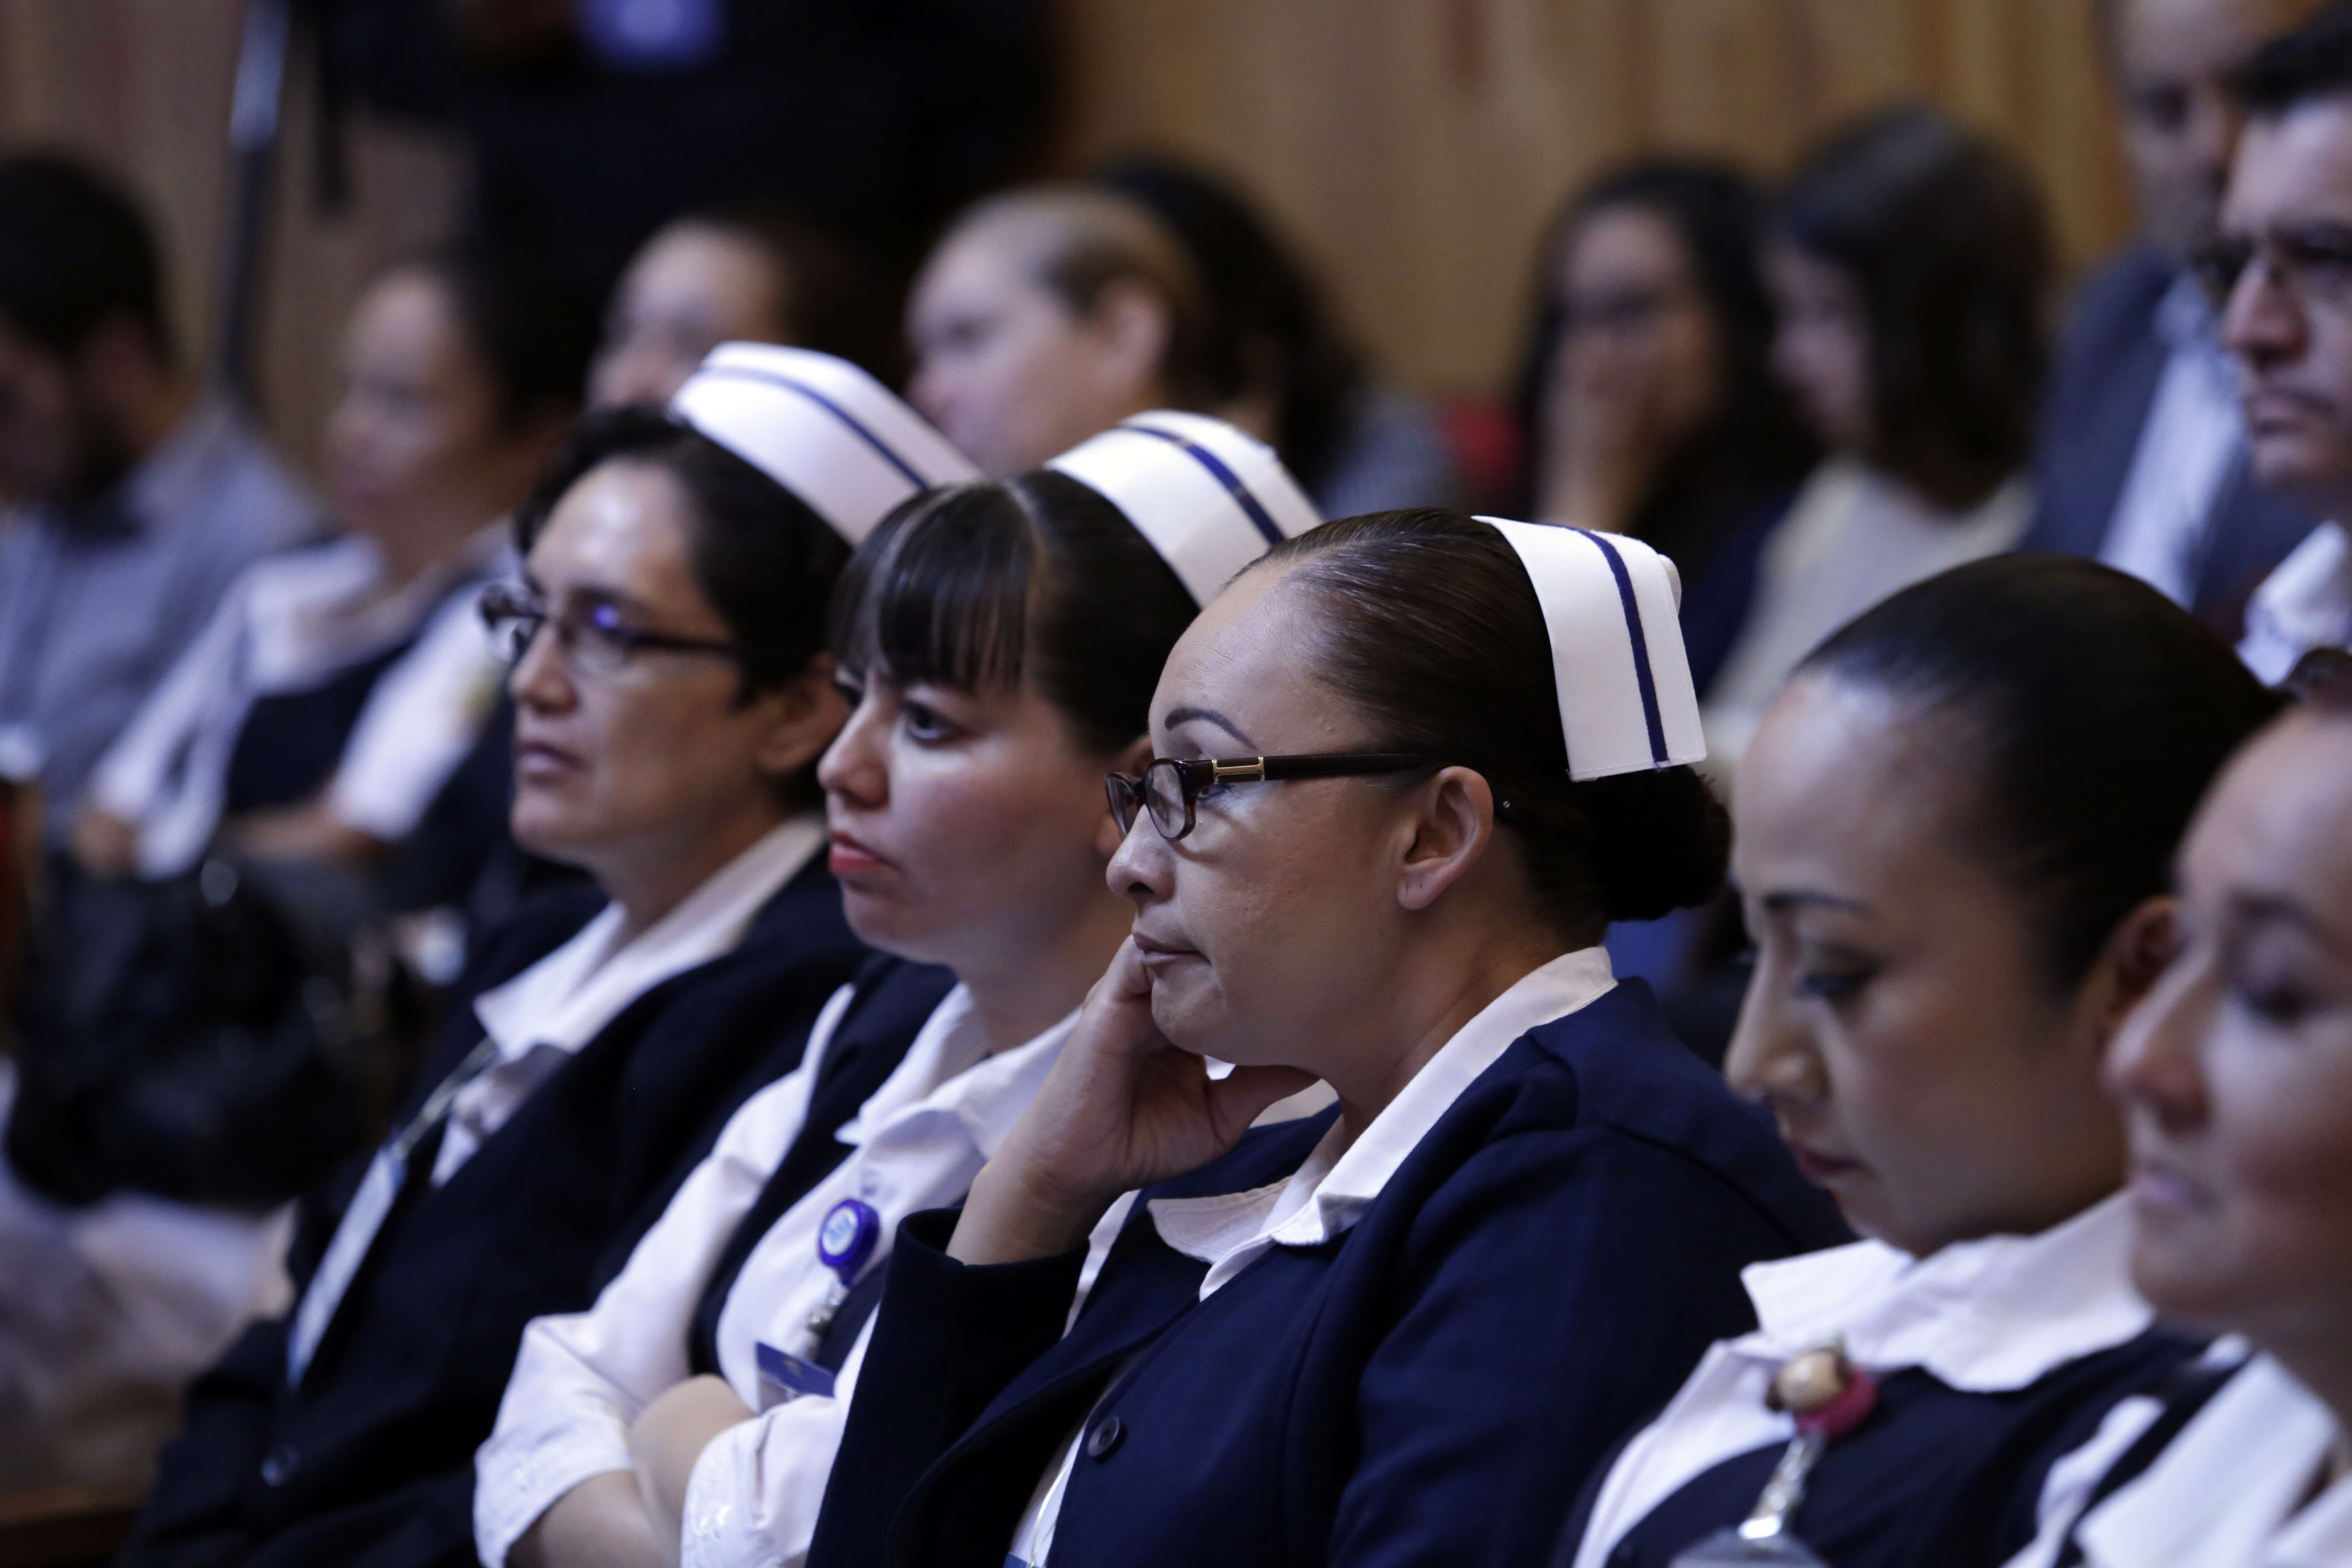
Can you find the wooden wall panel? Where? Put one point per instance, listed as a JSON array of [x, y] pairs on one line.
[[1414, 149]]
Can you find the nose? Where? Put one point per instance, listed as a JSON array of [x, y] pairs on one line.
[[2153, 1065], [539, 681], [1143, 869], [855, 767], [2263, 323], [1772, 1057]]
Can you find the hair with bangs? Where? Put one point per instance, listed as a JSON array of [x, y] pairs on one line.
[[980, 586]]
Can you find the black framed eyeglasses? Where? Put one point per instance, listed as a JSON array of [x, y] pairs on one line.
[[2314, 261], [1172, 787], [594, 640]]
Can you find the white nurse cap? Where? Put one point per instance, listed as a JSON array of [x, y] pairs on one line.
[[821, 428], [1208, 497], [1612, 607]]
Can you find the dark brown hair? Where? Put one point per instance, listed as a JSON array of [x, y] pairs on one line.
[[1430, 628], [1943, 232], [977, 585], [2095, 712]]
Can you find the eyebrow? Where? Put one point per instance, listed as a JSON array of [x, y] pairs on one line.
[[1176, 715], [2276, 909], [1806, 898]]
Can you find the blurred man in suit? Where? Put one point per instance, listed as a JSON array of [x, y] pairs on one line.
[[2144, 461]]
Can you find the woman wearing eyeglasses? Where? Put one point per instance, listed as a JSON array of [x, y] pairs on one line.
[[1001, 643], [673, 696], [1410, 767]]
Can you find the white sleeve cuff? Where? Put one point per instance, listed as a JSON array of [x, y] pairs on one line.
[[518, 1475]]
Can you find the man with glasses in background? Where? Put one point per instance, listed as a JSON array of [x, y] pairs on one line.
[[2282, 269], [2142, 460]]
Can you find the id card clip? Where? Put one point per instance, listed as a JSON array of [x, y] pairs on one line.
[[1828, 1396]]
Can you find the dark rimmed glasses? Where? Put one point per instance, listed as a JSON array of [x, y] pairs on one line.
[[2314, 261], [1170, 788], [594, 640]]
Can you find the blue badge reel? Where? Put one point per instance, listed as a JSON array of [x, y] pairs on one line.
[[844, 1242]]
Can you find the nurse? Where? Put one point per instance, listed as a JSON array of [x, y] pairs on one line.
[[1409, 767], [2236, 1080], [1001, 641], [673, 696], [1954, 835]]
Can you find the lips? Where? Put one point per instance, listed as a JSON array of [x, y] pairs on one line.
[[1821, 1170], [1159, 953], [2158, 1186], [538, 762], [850, 857]]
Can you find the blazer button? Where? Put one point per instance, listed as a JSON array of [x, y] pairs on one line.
[[278, 1466], [1104, 1439]]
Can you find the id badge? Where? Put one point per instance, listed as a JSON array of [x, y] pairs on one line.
[[785, 1376]]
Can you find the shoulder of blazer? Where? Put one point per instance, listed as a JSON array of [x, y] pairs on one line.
[[2116, 307]]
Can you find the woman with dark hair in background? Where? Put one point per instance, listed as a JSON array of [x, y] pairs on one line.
[[339, 686], [1911, 264], [1955, 831], [748, 273], [673, 695], [1384, 833], [1647, 403], [1278, 362], [1049, 313]]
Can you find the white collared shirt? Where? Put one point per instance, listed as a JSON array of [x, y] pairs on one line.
[[2195, 433], [2224, 1493], [290, 622], [1988, 1316], [1338, 1179], [543, 1015], [582, 1378], [2306, 603]]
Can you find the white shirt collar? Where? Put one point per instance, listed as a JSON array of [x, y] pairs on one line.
[[567, 997], [2222, 1492], [2306, 603], [1986, 1315], [948, 1072], [1339, 1182]]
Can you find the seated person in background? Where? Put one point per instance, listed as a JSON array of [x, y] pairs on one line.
[[134, 502], [2284, 269], [1647, 405], [2236, 1080], [1042, 684], [337, 688], [674, 696], [1049, 313], [1909, 262], [2142, 448], [748, 273], [1280, 368], [1402, 1329], [1953, 833]]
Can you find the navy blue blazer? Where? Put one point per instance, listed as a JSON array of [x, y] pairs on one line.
[[1936, 1477], [2103, 385], [370, 1460], [1541, 1271]]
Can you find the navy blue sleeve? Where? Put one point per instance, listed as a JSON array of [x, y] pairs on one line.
[[1560, 1286], [948, 1339]]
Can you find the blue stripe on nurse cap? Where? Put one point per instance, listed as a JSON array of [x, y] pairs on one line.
[[1612, 607], [822, 428], [1208, 497]]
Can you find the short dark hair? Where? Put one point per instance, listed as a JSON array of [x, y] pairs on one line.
[[75, 250], [831, 302], [1429, 627], [2312, 61], [1756, 445], [2097, 712], [2322, 681], [1945, 236], [534, 337], [975, 585], [762, 557], [1267, 325]]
